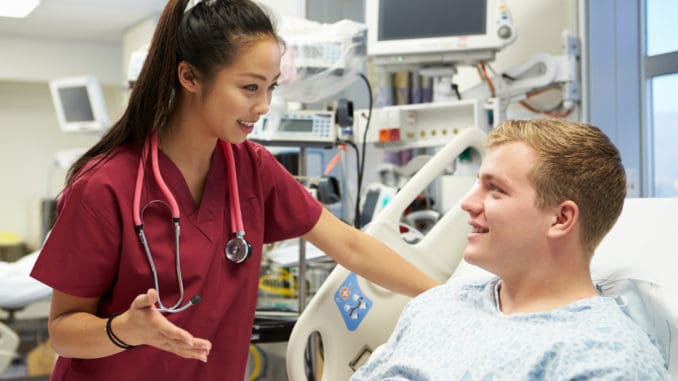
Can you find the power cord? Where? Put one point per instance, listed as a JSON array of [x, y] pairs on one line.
[[356, 220]]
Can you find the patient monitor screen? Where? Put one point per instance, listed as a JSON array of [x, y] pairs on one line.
[[75, 102], [405, 19], [296, 125]]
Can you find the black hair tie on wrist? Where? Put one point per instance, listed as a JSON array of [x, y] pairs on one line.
[[115, 339]]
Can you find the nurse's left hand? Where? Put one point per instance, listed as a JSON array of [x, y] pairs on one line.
[[144, 324]]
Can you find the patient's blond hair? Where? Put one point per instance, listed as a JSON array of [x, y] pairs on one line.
[[575, 162]]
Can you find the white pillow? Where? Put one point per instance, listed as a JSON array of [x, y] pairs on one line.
[[649, 305]]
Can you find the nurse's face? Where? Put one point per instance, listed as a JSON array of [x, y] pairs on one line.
[[507, 228], [241, 92]]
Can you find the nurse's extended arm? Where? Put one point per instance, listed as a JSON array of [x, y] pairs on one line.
[[76, 332], [366, 256]]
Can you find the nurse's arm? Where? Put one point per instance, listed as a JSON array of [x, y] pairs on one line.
[[366, 256], [76, 332]]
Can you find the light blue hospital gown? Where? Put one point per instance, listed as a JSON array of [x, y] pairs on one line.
[[458, 333]]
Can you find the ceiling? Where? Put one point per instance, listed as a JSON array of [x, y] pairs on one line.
[[97, 21]]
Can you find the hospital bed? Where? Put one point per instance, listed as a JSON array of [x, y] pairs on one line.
[[637, 262], [17, 291]]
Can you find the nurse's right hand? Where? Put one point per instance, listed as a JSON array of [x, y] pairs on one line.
[[144, 324]]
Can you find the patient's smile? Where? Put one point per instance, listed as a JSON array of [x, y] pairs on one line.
[[477, 229]]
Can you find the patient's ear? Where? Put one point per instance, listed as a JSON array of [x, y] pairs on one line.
[[565, 216]]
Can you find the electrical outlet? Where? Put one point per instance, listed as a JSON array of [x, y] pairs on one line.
[[632, 183]]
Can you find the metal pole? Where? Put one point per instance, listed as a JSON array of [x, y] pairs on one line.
[[302, 244]]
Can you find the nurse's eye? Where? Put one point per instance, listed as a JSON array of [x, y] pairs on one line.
[[273, 86], [252, 88]]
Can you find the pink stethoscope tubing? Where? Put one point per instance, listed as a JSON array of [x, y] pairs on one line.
[[237, 249]]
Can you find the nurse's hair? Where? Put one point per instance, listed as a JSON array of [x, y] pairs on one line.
[[576, 162], [208, 36]]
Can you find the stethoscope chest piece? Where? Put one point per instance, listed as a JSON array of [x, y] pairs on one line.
[[237, 249]]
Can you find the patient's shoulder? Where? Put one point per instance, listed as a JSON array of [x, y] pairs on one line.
[[605, 331]]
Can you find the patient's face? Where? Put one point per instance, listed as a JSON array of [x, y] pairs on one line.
[[508, 229]]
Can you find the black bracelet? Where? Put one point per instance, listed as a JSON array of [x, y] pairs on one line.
[[115, 339]]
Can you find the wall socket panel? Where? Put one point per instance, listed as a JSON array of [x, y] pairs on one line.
[[632, 183]]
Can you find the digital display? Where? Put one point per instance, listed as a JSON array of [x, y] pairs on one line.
[[76, 105], [296, 125], [405, 19]]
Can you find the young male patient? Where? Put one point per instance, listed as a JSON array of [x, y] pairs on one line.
[[547, 193]]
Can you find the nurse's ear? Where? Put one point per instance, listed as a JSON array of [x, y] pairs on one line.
[[187, 77]]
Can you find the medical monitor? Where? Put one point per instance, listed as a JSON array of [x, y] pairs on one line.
[[436, 31], [79, 104]]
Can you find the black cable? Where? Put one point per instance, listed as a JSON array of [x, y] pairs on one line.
[[356, 221], [455, 88]]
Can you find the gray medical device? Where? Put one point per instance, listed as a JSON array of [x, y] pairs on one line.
[[436, 31], [297, 126]]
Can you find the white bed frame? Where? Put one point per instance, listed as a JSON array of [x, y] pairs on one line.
[[17, 291]]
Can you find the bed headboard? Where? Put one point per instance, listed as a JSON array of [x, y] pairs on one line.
[[638, 260]]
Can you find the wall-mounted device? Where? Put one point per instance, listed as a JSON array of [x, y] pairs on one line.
[[436, 31], [296, 127], [79, 104], [420, 125]]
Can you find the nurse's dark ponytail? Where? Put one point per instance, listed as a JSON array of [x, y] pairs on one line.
[[208, 37]]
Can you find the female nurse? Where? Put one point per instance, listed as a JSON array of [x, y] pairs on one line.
[[179, 153]]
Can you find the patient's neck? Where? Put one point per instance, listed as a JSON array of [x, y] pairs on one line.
[[541, 295]]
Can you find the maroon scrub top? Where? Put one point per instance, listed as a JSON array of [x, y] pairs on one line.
[[93, 251]]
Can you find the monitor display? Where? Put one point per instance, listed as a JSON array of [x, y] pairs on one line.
[[296, 125], [406, 19], [77, 107], [436, 31], [79, 104]]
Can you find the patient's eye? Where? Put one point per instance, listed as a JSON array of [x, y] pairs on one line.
[[493, 188]]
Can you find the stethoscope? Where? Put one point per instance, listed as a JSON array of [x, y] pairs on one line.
[[237, 249]]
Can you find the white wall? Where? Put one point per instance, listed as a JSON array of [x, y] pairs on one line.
[[136, 38], [29, 134], [292, 8], [30, 137], [25, 59]]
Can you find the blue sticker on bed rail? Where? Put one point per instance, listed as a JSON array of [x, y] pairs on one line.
[[352, 303]]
